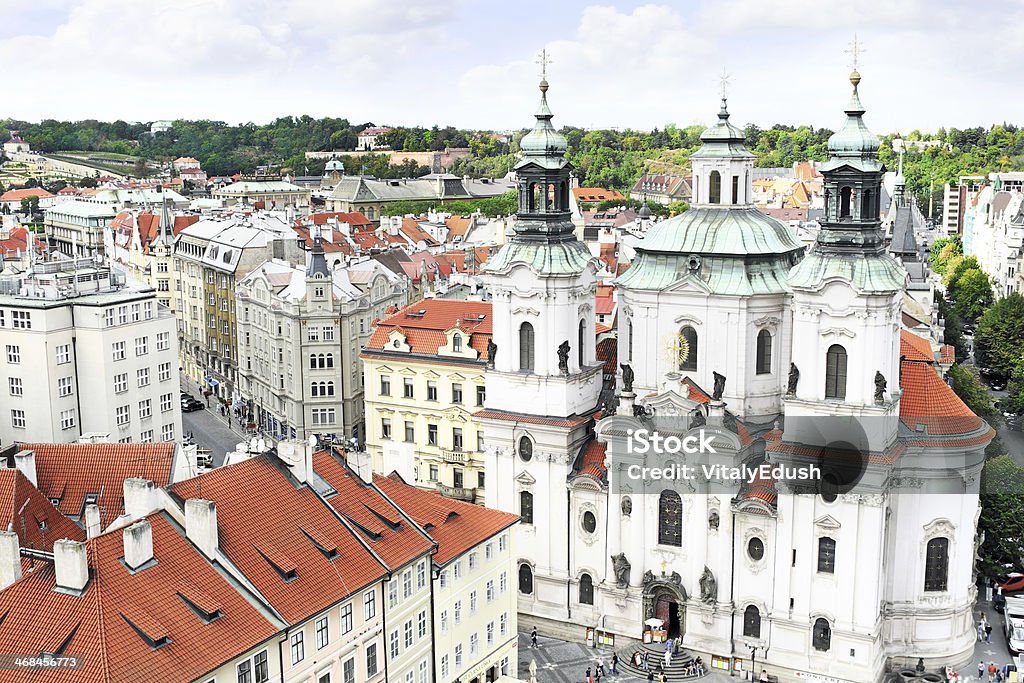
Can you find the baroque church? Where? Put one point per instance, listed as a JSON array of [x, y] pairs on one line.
[[787, 357]]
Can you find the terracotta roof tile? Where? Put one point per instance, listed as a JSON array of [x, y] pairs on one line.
[[18, 195], [592, 461], [913, 347], [397, 545], [929, 401], [27, 512], [455, 525], [261, 516], [571, 421], [595, 194], [425, 333], [38, 618], [69, 471]]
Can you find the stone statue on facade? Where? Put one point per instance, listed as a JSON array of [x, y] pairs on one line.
[[627, 506], [676, 579], [719, 386], [713, 520], [620, 565], [648, 577], [563, 357], [708, 586], [794, 377], [627, 378], [492, 352], [880, 385]]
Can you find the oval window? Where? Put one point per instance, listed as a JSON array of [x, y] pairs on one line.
[[589, 522], [755, 548], [525, 449]]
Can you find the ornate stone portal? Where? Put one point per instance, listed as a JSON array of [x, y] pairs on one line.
[[665, 598]]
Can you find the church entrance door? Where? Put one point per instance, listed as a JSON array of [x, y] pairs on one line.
[[669, 611]]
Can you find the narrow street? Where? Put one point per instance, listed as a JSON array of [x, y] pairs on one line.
[[208, 428]]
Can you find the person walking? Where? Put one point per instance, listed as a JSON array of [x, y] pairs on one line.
[[981, 630], [615, 663], [988, 632], [533, 637], [981, 670], [647, 663], [668, 657], [599, 671], [991, 672], [650, 675], [590, 677]]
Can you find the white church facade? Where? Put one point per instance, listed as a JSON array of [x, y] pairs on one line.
[[786, 358]]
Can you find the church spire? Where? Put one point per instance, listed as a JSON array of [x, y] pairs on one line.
[[317, 262]]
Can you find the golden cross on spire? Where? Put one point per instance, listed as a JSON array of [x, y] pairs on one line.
[[855, 51], [724, 80], [544, 60]]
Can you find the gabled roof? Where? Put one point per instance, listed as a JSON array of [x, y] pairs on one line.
[[70, 471], [18, 195], [381, 525], [27, 512], [915, 348], [455, 525], [595, 194], [271, 530], [97, 626], [424, 332]]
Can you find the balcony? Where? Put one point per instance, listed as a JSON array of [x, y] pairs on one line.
[[454, 456], [457, 493]]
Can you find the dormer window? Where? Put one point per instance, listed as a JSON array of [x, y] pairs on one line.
[[457, 343]]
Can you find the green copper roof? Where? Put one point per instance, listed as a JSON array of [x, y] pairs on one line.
[[853, 141], [722, 139], [543, 139], [720, 230], [567, 257], [728, 275], [879, 273]]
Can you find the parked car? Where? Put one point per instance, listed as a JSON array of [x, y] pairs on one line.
[[185, 395], [1014, 581], [191, 405], [997, 383]]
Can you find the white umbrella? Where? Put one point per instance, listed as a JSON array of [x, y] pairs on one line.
[[654, 622]]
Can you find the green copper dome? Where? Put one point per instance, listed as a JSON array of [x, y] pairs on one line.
[[722, 139], [543, 139], [854, 138]]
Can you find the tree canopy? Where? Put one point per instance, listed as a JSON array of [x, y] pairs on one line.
[[999, 339], [970, 390], [1002, 516]]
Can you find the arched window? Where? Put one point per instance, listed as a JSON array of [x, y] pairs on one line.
[[751, 622], [312, 361], [586, 590], [552, 198], [629, 340], [764, 352], [835, 372], [865, 205], [330, 388], [735, 189], [525, 579], [844, 202], [534, 198], [525, 448], [330, 360], [822, 635], [936, 564], [827, 555], [670, 519], [457, 343], [369, 212], [715, 188], [581, 347], [688, 342], [526, 506], [526, 347]]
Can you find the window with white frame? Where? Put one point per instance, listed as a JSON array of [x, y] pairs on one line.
[[120, 382], [148, 307], [421, 575], [503, 623], [407, 583], [166, 402], [108, 317], [472, 561], [63, 354], [141, 346], [458, 656], [392, 593], [490, 591], [457, 571], [65, 386], [167, 433], [371, 659], [122, 415], [490, 633], [348, 670], [329, 333], [442, 579], [67, 419], [21, 320], [457, 612], [421, 624], [163, 341], [163, 372], [369, 604], [444, 621], [472, 602], [18, 418], [118, 350], [423, 671], [142, 375], [408, 634], [488, 551], [298, 647], [394, 644], [323, 416], [503, 582], [312, 334], [322, 633], [346, 618], [502, 542], [147, 436], [410, 677], [135, 312], [122, 315], [13, 354], [444, 667], [16, 386]]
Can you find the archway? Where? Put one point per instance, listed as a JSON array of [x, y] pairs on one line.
[[665, 599]]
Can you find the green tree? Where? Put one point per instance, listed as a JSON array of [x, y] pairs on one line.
[[999, 339], [972, 294], [951, 332], [1002, 516], [970, 390], [942, 250], [30, 205]]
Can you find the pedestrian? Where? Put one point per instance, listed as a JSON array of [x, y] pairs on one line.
[[981, 670], [991, 672], [650, 675], [600, 670], [763, 678], [988, 633], [981, 631], [533, 637], [647, 663], [590, 677], [668, 658], [615, 664]]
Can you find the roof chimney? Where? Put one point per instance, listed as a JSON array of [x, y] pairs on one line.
[[298, 455], [92, 520], [26, 462], [10, 558], [139, 497], [71, 564], [361, 462], [201, 524], [138, 544]]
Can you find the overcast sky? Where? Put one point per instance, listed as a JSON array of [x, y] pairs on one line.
[[471, 63]]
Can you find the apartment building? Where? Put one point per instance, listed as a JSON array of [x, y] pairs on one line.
[[84, 352], [994, 234], [210, 258], [299, 335], [424, 374], [75, 227]]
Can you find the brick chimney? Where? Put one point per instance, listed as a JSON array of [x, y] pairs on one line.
[[138, 544], [201, 525], [71, 565], [10, 558], [139, 497], [92, 520], [26, 462]]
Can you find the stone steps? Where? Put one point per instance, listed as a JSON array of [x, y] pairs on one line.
[[656, 654]]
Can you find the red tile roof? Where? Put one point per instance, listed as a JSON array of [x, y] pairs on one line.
[[913, 347], [947, 354], [412, 230], [69, 471], [357, 220], [595, 194], [337, 242], [265, 526], [17, 241], [27, 512], [380, 524], [592, 461], [605, 299], [425, 333], [18, 195], [607, 351], [930, 401], [455, 525], [96, 624], [571, 421], [458, 226]]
